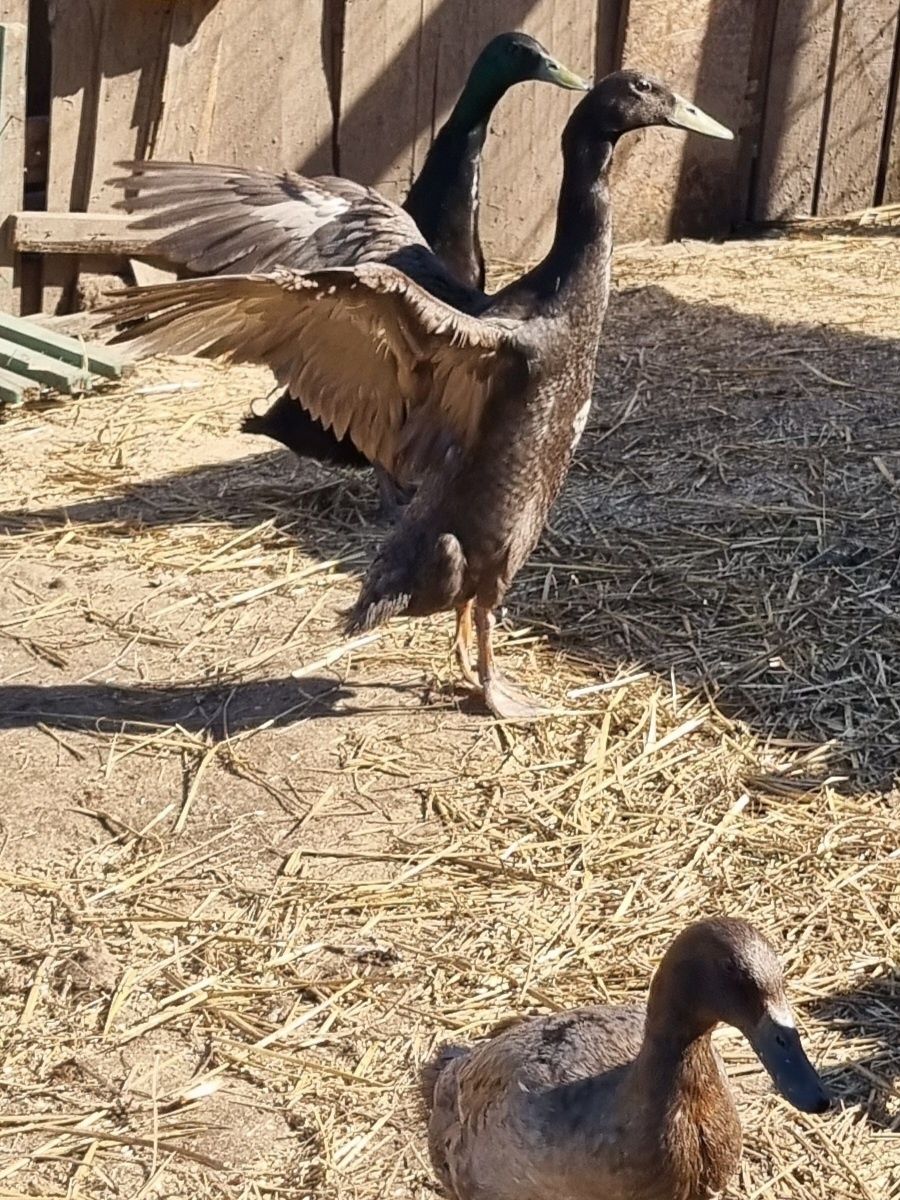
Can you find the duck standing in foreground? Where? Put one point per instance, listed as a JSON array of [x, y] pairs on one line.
[[485, 408], [233, 219], [620, 1103]]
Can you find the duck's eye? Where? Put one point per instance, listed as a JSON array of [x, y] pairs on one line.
[[642, 85]]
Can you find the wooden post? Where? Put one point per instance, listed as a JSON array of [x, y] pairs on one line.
[[790, 144], [13, 48], [854, 132]]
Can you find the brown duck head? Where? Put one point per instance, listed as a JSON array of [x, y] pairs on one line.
[[724, 970], [629, 100]]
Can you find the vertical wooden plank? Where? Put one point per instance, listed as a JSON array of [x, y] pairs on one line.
[[76, 28], [379, 113], [249, 85], [670, 184], [788, 163], [858, 110], [131, 68], [890, 193], [758, 66], [13, 48]]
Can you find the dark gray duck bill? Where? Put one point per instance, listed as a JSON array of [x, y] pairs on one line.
[[781, 1052]]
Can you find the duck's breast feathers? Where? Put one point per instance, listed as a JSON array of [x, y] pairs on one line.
[[238, 219], [374, 354]]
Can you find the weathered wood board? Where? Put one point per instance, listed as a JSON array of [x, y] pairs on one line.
[[854, 127], [672, 184], [249, 84], [210, 79], [788, 167], [13, 49], [108, 234]]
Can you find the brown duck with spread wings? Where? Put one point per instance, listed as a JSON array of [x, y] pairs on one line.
[[485, 407], [620, 1103], [233, 219]]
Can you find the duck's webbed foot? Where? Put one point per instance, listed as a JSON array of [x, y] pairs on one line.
[[511, 703], [393, 498], [502, 697]]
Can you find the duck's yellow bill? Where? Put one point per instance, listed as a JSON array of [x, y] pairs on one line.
[[687, 115], [554, 72]]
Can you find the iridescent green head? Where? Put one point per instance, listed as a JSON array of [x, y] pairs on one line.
[[508, 59], [515, 57]]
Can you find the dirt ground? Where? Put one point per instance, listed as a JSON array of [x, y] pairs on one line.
[[251, 874]]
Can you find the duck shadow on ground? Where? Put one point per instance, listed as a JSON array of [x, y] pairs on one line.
[[731, 521], [218, 712], [866, 1018]]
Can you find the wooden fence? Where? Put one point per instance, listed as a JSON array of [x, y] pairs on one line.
[[359, 86]]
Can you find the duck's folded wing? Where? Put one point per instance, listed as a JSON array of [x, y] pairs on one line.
[[372, 353], [236, 219]]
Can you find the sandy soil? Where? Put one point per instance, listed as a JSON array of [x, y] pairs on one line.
[[251, 875]]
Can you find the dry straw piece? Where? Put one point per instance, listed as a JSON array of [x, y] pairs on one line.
[[250, 877]]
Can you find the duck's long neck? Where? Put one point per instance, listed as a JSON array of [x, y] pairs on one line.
[[671, 1063], [677, 1038], [577, 264], [684, 1112], [583, 236], [443, 200]]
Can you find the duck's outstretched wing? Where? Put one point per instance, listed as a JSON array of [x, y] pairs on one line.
[[238, 219], [376, 355]]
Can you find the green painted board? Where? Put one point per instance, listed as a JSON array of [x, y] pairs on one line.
[[86, 355], [22, 360], [16, 389]]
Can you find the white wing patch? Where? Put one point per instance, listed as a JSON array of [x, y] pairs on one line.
[[305, 217]]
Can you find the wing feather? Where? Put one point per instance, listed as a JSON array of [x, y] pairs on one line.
[[373, 353], [240, 219]]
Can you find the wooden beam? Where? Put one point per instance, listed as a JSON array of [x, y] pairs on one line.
[[13, 49], [73, 351], [16, 389], [41, 367], [80, 233]]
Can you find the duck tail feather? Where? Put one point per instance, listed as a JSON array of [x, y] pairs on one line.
[[254, 423], [369, 612], [432, 1070]]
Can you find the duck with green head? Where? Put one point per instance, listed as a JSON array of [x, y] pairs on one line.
[[230, 219], [480, 398], [443, 201]]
